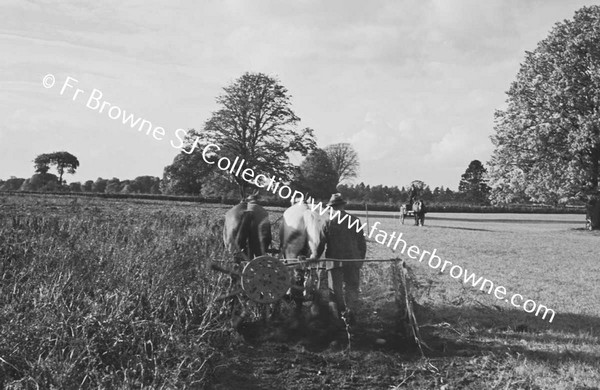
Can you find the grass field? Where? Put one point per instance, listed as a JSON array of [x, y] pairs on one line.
[[118, 294]]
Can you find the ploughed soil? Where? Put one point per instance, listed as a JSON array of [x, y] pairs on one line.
[[378, 352], [311, 352], [303, 352]]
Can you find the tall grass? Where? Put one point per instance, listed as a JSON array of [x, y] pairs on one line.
[[108, 298]]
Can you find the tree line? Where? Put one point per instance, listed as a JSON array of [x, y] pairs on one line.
[[48, 182], [323, 172]]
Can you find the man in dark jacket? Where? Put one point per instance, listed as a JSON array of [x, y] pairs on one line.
[[412, 194], [342, 243]]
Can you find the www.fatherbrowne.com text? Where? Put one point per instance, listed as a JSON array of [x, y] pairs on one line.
[[95, 102]]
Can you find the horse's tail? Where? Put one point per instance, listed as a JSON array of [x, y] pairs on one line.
[[314, 235], [244, 232]]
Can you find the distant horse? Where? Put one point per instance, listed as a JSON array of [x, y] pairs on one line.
[[419, 211]]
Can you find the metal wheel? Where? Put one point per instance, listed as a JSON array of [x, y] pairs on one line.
[[265, 279]]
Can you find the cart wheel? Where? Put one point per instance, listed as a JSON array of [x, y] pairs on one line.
[[265, 279]]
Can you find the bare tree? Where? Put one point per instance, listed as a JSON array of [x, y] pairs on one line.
[[344, 161]]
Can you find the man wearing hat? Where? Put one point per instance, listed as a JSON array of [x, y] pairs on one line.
[[342, 243]]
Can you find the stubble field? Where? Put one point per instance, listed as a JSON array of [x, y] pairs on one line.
[[119, 294]]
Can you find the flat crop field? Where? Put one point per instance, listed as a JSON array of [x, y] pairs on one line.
[[101, 293]]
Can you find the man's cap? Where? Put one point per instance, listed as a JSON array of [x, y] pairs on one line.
[[336, 200]]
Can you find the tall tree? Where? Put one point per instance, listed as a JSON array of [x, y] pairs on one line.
[[344, 161], [64, 161], [548, 138], [473, 183], [256, 123], [316, 175]]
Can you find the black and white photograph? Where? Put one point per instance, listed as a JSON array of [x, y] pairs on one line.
[[300, 194]]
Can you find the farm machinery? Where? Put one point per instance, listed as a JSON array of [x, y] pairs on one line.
[[405, 212], [266, 280]]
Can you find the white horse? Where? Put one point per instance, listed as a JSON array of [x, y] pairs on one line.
[[300, 235]]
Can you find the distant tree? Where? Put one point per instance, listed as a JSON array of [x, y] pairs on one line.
[[395, 194], [87, 186], [64, 161], [217, 186], [100, 185], [75, 187], [426, 194], [12, 184], [344, 161], [403, 194], [186, 175], [127, 189], [378, 194], [145, 184], [361, 192], [113, 186], [347, 191], [473, 183], [449, 195], [41, 182], [316, 175], [256, 123], [155, 189], [548, 138], [437, 192]]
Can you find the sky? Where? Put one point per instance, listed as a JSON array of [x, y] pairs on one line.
[[412, 85]]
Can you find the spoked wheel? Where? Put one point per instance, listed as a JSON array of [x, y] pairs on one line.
[[263, 280]]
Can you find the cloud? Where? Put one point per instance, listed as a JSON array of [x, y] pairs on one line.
[[458, 144]]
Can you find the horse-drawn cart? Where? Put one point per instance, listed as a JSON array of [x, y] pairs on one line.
[[416, 211]]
